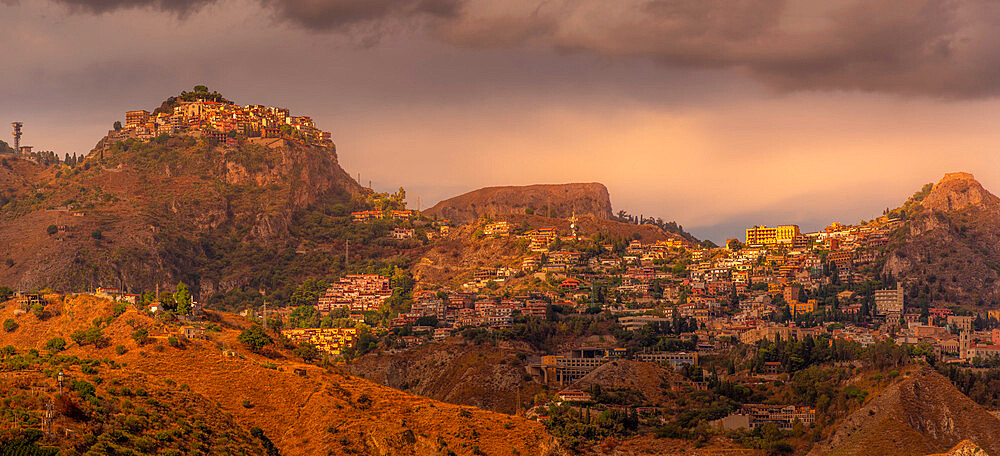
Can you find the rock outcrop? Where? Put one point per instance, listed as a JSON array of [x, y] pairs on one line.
[[918, 415], [554, 200], [949, 248], [137, 214]]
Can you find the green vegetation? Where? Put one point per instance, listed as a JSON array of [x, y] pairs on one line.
[[55, 344], [140, 336], [255, 338], [10, 325], [90, 336], [134, 418]]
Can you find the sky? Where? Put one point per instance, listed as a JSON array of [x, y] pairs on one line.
[[718, 114]]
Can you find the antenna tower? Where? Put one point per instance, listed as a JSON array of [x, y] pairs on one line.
[[17, 135]]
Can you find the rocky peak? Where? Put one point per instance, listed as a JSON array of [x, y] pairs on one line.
[[957, 191], [562, 200]]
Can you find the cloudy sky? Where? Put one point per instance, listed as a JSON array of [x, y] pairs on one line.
[[713, 113]]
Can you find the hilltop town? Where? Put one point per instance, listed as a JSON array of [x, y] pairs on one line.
[[204, 114]]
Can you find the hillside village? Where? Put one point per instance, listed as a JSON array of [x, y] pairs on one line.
[[633, 320]]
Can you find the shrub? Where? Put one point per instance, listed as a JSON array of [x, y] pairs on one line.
[[247, 404], [255, 338], [10, 325], [91, 336], [307, 351], [83, 387], [173, 341], [52, 229], [55, 344], [96, 234], [121, 350], [141, 336], [119, 308]]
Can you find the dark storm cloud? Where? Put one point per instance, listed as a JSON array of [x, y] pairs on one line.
[[100, 6], [926, 47], [312, 14], [327, 14], [930, 47]]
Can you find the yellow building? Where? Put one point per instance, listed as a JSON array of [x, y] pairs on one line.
[[802, 307], [762, 235], [498, 229], [330, 340]]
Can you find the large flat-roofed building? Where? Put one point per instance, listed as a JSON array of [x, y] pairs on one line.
[[675, 359], [136, 118], [762, 235], [568, 369], [752, 416], [889, 302]]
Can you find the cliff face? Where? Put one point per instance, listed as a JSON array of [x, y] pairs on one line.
[[950, 249], [559, 200], [138, 214], [918, 415]]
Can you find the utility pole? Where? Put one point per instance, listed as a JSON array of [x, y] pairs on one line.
[[49, 414], [264, 298], [347, 252], [517, 407]]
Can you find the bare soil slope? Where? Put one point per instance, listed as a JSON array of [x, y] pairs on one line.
[[918, 415], [484, 376], [322, 412]]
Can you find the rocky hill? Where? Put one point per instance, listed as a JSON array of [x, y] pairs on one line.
[[949, 250], [136, 214], [553, 200], [966, 448], [917, 415], [214, 396], [484, 376]]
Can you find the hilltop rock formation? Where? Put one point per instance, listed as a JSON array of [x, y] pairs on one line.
[[135, 214], [918, 415], [966, 448], [958, 191], [557, 200], [949, 249]]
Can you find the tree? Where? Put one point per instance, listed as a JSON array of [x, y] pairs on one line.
[[183, 299], [10, 325], [255, 338], [118, 125], [52, 229], [307, 351]]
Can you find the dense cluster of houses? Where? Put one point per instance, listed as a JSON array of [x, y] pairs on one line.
[[458, 310], [328, 340], [358, 293], [217, 119]]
